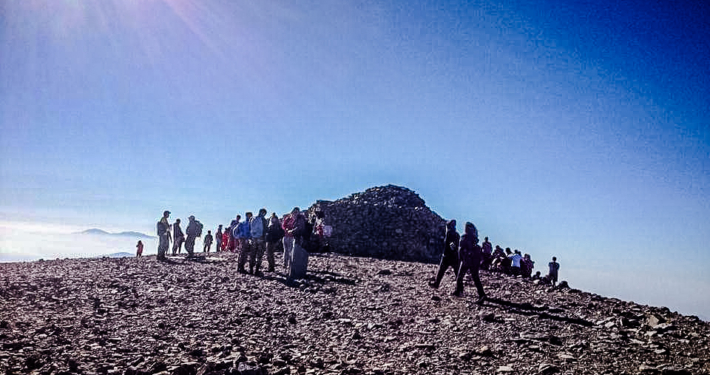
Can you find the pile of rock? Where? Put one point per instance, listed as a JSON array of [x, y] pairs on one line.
[[388, 222]]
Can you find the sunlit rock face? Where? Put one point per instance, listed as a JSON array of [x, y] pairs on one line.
[[388, 222]]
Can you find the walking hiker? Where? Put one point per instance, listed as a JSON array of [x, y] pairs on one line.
[[450, 257], [258, 226], [163, 229], [470, 256], [208, 242], [193, 230], [178, 237]]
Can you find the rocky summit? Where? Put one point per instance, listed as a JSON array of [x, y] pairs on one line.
[[386, 222], [351, 315]]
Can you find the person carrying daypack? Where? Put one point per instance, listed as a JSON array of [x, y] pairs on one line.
[[470, 256], [193, 230]]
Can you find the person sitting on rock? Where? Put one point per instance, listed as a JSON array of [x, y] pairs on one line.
[[470, 256], [450, 257], [554, 268], [536, 276], [497, 257], [526, 266], [506, 261]]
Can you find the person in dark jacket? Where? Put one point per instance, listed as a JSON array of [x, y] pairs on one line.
[[450, 257], [208, 242], [193, 230], [274, 234], [178, 237], [163, 229], [218, 239], [470, 256]]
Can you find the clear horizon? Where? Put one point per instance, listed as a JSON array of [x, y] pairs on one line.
[[579, 130]]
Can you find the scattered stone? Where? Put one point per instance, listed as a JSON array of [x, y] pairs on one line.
[[204, 318], [547, 369]]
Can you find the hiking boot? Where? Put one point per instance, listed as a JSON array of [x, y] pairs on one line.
[[271, 269], [259, 273], [241, 270], [457, 294], [434, 285]]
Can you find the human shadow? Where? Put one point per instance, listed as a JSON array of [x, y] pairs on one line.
[[528, 309]]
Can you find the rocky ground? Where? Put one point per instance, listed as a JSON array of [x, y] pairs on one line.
[[351, 316]]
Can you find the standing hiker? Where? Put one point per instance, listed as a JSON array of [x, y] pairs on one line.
[[178, 237], [242, 233], [208, 242], [274, 234], [139, 249], [193, 230], [554, 268], [258, 226], [218, 239], [163, 229]]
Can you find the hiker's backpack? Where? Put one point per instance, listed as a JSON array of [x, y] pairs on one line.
[[198, 230]]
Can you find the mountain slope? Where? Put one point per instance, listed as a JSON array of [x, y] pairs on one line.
[[351, 316]]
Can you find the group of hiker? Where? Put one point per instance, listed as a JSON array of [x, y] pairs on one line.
[[465, 255], [251, 238], [256, 235]]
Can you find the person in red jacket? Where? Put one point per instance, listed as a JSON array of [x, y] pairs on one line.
[[139, 247], [225, 240]]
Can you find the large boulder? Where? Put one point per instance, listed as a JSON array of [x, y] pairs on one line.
[[388, 222]]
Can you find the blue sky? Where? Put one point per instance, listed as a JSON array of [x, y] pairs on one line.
[[576, 129]]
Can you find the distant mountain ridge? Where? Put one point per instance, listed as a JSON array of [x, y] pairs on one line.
[[101, 232]]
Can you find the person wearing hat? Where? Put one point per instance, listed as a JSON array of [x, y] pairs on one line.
[[163, 228], [450, 257], [470, 256]]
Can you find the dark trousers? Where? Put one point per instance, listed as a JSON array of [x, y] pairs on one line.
[[474, 274], [447, 260]]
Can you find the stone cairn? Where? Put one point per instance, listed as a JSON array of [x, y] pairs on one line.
[[388, 222]]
